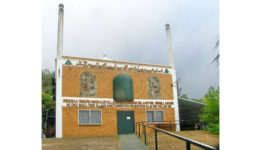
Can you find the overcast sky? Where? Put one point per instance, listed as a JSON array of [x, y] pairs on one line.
[[134, 30]]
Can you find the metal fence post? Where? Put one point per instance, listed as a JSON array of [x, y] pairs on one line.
[[139, 130], [156, 141], [188, 145], [144, 131], [136, 129], [170, 126]]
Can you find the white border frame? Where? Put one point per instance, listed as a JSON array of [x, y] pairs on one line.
[[89, 116], [75, 60]]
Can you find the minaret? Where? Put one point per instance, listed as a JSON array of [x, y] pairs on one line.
[[173, 72], [169, 43], [58, 75], [60, 31]]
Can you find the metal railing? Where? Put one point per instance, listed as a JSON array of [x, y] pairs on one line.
[[156, 130], [169, 124]]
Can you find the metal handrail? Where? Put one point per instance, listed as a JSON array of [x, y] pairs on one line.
[[168, 121], [188, 141]]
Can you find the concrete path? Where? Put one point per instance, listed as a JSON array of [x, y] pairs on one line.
[[131, 142]]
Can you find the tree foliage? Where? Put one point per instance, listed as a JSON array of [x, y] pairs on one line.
[[47, 102], [210, 113], [46, 78], [184, 96], [47, 92]]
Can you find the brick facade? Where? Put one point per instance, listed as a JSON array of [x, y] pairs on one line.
[[109, 121], [104, 78], [71, 87]]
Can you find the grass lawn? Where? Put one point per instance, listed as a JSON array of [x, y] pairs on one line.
[[168, 142], [82, 143]]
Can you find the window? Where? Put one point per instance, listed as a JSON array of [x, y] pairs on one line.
[[122, 87], [87, 117], [88, 84], [154, 88], [154, 116]]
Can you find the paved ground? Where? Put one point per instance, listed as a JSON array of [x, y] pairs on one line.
[[131, 142]]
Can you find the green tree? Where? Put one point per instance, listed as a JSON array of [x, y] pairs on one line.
[[210, 113], [48, 104], [47, 92], [46, 77], [46, 80], [184, 96]]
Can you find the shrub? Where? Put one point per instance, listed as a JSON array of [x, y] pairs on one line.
[[210, 113]]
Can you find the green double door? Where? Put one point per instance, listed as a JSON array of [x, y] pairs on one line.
[[125, 122]]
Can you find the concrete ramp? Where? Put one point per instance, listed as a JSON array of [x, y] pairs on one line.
[[131, 142]]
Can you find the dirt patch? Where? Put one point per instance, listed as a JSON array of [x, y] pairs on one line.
[[82, 143], [168, 142]]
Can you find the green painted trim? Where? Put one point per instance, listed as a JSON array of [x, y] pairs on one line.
[[68, 62], [166, 71]]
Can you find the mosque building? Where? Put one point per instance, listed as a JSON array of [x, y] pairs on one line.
[[96, 97]]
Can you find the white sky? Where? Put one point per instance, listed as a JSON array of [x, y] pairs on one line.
[[134, 30]]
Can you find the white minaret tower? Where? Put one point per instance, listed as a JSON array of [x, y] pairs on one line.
[[171, 59], [60, 31], [173, 72], [58, 75]]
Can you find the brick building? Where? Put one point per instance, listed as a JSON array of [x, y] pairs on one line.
[[97, 97]]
